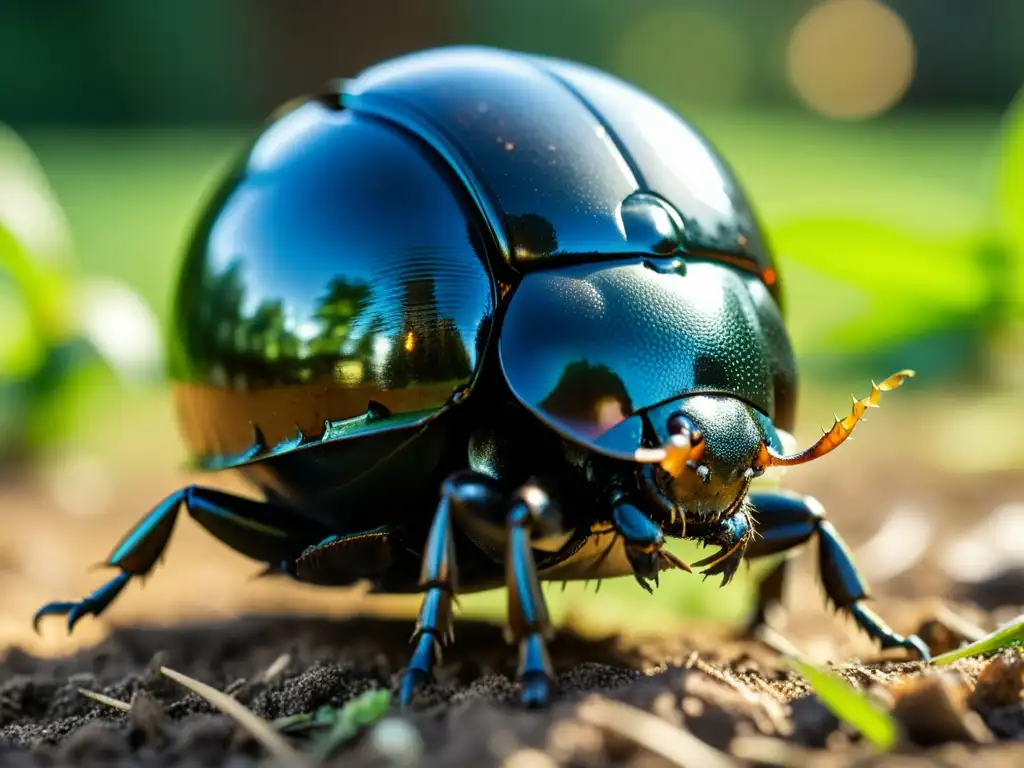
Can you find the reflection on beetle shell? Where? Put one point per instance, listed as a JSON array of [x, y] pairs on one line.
[[393, 336], [591, 398], [533, 235], [347, 272]]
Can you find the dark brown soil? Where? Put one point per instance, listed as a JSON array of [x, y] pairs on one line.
[[470, 717]]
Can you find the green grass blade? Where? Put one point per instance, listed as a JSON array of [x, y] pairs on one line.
[[851, 706], [1003, 637]]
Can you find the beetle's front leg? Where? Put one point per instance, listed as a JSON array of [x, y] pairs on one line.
[[732, 535], [786, 520], [532, 516], [475, 500], [644, 542]]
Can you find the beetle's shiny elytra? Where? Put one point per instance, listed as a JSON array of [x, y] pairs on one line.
[[484, 318], [373, 231]]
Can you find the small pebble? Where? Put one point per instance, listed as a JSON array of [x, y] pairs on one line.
[[940, 637], [95, 743], [569, 740], [933, 710], [398, 740], [693, 707], [1000, 684]]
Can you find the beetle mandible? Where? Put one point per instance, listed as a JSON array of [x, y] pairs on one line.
[[481, 318]]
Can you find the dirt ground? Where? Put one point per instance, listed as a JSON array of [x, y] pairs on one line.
[[202, 615]]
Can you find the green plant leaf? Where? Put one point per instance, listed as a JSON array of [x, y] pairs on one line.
[[884, 283], [884, 259], [1010, 187], [358, 713], [1004, 637], [851, 706]]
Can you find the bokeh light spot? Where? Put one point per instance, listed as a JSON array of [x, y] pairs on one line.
[[851, 59], [685, 54]]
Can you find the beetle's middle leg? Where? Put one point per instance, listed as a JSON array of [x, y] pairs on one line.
[[786, 520], [265, 532], [469, 494]]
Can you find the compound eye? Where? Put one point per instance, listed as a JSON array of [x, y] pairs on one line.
[[680, 424]]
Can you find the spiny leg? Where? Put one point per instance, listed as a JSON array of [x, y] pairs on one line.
[[785, 520], [644, 542], [532, 516], [264, 532], [464, 494]]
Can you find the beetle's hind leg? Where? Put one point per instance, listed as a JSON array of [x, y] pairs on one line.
[[786, 520], [262, 531]]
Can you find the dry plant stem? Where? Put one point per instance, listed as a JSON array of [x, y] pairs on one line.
[[257, 727], [103, 699], [280, 665], [678, 746]]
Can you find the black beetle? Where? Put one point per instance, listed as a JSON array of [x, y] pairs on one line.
[[517, 280]]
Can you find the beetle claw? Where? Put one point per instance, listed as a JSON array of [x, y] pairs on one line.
[[725, 562], [643, 583], [674, 561], [74, 611], [51, 609], [914, 643], [79, 611]]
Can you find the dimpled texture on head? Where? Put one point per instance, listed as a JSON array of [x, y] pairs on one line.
[[731, 435]]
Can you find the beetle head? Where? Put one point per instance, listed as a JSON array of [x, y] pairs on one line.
[[709, 447]]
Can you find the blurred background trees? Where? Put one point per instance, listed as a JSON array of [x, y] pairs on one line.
[[188, 62]]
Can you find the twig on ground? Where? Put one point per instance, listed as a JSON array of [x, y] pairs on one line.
[[280, 665], [653, 734], [769, 751], [257, 727], [104, 699]]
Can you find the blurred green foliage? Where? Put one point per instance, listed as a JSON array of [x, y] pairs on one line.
[[39, 351], [906, 300], [60, 340], [1010, 194], [930, 295]]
